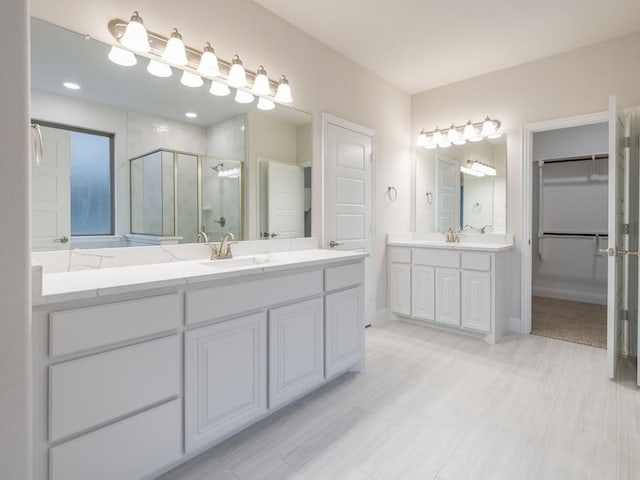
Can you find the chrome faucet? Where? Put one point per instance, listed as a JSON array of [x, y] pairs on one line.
[[224, 250], [201, 237], [484, 228]]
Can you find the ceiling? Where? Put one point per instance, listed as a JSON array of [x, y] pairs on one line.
[[422, 44]]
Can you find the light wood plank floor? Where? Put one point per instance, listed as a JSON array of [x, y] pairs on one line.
[[436, 405]]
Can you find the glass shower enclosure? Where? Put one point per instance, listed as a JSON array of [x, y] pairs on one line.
[[175, 195]]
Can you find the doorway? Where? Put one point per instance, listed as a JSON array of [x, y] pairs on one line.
[[569, 186]]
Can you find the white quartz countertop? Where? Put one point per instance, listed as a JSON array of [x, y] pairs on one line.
[[76, 285], [462, 245]]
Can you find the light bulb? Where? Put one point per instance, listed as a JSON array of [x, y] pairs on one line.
[[191, 80], [469, 171], [469, 131], [283, 94], [219, 89], [482, 168], [175, 52], [237, 76], [488, 127], [243, 97], [261, 83], [265, 104], [122, 57], [422, 139], [135, 36], [159, 69], [452, 134], [209, 62], [437, 139]]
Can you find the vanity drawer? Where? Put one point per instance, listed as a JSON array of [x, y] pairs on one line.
[[476, 261], [436, 257], [343, 276], [89, 391], [399, 255], [130, 449], [226, 300], [85, 328]]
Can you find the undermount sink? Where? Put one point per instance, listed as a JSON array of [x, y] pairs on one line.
[[237, 262]]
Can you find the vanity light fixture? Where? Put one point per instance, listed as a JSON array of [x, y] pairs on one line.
[[208, 62], [159, 69], [471, 132], [243, 97], [265, 104], [480, 167], [175, 52], [71, 85], [219, 89], [135, 36], [191, 80], [283, 94], [470, 171], [261, 83], [237, 76], [165, 53], [122, 57]]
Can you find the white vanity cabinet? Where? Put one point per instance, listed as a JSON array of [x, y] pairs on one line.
[[451, 286], [129, 384]]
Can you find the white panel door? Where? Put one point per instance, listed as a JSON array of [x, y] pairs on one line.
[[476, 300], [616, 274], [344, 333], [285, 192], [423, 292], [448, 296], [400, 288], [51, 192], [296, 350], [348, 216], [448, 193], [225, 378]]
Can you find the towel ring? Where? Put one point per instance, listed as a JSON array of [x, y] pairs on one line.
[[392, 193]]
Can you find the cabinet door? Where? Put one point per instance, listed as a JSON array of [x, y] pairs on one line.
[[296, 343], [400, 288], [344, 330], [225, 378], [476, 300], [448, 296], [423, 291]]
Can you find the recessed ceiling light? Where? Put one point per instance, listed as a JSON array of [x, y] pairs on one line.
[[191, 115], [71, 85]]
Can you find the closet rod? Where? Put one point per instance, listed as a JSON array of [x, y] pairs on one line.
[[577, 235], [599, 156]]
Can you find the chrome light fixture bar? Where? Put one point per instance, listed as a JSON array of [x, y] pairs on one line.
[[478, 169], [460, 134], [203, 63]]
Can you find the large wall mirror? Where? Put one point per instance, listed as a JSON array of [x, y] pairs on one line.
[[130, 159], [450, 193]]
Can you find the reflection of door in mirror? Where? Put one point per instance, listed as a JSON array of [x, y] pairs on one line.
[[51, 194], [448, 196], [282, 199]]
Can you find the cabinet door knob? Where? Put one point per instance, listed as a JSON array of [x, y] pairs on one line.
[[63, 239], [333, 243]]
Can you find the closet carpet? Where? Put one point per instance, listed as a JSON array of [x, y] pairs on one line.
[[575, 322]]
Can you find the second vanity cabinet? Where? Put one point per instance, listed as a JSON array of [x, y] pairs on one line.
[[452, 287]]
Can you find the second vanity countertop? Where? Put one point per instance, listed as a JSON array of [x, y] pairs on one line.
[[65, 286], [463, 245]]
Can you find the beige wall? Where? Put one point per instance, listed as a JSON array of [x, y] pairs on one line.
[[15, 239], [572, 83]]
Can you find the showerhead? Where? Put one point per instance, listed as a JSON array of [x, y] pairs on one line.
[[218, 167]]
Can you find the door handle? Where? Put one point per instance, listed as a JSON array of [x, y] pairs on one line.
[[333, 243], [274, 234], [63, 239]]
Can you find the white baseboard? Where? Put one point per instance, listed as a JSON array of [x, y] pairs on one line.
[[570, 295]]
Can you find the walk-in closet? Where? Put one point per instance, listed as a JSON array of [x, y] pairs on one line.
[[570, 181]]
